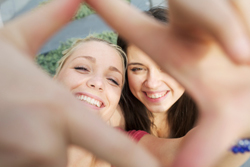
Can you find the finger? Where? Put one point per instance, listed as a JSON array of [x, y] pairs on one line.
[[242, 7], [31, 30], [132, 24], [91, 133], [218, 19], [148, 34], [208, 142]]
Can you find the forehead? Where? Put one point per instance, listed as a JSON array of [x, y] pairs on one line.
[[135, 55], [100, 51]]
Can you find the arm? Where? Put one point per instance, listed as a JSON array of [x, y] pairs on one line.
[[220, 87], [201, 19], [23, 29], [38, 117], [205, 19], [166, 150]]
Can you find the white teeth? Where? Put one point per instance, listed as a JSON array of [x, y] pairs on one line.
[[155, 96], [98, 104], [89, 100]]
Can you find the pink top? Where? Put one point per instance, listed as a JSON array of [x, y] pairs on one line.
[[136, 134]]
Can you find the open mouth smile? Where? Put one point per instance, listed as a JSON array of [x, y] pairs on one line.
[[156, 95], [90, 100]]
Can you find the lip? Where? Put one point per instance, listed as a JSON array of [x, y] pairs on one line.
[[158, 99], [92, 96]]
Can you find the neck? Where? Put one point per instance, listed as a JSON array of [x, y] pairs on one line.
[[161, 128], [117, 119]]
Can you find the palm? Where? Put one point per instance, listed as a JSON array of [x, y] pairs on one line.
[[38, 117], [220, 87]]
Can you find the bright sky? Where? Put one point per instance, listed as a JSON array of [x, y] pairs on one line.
[[1, 22]]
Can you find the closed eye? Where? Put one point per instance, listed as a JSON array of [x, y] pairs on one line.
[[81, 68], [114, 81]]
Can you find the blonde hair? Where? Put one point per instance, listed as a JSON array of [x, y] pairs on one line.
[[68, 52]]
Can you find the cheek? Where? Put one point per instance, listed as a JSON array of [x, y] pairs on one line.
[[134, 82], [178, 93], [172, 84], [113, 95], [178, 90], [178, 87], [69, 80]]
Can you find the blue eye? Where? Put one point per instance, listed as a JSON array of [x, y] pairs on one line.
[[112, 80], [81, 68]]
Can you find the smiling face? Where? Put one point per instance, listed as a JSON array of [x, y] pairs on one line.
[[94, 74], [155, 89]]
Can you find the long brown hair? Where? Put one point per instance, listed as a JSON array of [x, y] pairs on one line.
[[181, 116]]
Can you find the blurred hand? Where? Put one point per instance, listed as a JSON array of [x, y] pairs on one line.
[[217, 19], [38, 117], [220, 87]]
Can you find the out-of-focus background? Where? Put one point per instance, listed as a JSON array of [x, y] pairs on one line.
[[86, 22]]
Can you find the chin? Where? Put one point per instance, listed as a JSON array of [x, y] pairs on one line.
[[158, 110]]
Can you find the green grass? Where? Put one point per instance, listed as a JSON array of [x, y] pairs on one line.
[[83, 11], [48, 61]]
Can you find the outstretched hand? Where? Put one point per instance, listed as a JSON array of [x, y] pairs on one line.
[[216, 19], [197, 60], [38, 117]]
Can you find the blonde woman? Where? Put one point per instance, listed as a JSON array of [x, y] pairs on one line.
[[93, 70], [38, 117]]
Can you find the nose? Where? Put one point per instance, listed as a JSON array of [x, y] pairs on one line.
[[153, 79], [96, 82]]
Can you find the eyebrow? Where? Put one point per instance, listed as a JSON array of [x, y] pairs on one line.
[[135, 64], [92, 59], [112, 68]]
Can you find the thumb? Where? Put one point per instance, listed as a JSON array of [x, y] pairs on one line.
[[88, 131], [218, 19], [208, 142], [31, 30]]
